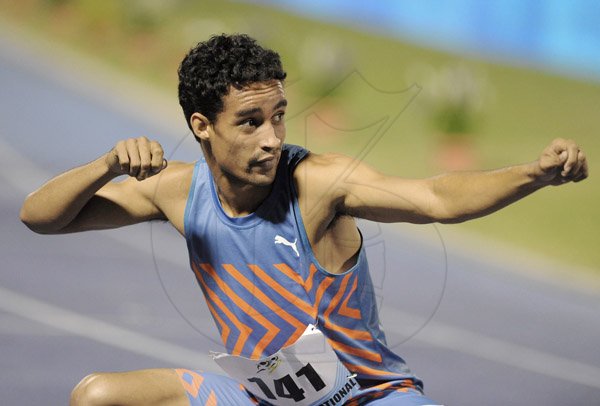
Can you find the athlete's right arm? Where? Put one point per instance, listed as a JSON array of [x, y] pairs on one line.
[[84, 198]]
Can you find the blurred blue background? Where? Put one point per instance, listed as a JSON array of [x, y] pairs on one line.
[[556, 35]]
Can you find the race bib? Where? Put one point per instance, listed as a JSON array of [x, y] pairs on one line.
[[305, 373]]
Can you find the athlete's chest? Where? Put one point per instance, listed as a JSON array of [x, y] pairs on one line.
[[334, 239], [265, 244]]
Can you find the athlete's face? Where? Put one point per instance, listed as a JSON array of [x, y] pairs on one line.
[[247, 136]]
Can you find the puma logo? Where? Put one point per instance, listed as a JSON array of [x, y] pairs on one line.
[[281, 240]]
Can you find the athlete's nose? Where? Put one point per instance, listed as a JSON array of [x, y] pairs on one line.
[[270, 140]]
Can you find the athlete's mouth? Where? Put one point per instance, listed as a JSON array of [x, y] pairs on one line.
[[265, 161]]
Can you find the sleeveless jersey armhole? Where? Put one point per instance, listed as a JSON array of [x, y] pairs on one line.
[[304, 237], [190, 200]]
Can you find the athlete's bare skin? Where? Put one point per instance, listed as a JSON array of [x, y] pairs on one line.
[[242, 148]]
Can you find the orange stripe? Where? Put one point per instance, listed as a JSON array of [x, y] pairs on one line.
[[212, 399], [367, 371], [358, 334], [366, 354], [321, 290], [309, 282], [225, 330], [383, 386], [300, 327], [355, 334], [336, 299], [289, 296], [405, 385], [190, 387], [250, 396], [289, 272], [244, 330], [294, 336], [239, 302], [344, 310], [381, 391], [272, 330]]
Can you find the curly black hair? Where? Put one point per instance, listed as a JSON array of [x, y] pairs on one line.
[[209, 68]]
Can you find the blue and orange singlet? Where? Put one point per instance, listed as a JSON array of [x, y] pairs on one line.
[[263, 284]]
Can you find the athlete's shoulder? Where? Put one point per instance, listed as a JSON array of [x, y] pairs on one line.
[[178, 171], [317, 176], [325, 165], [179, 168], [174, 181]]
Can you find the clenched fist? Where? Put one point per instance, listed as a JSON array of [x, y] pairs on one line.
[[562, 161], [137, 157]]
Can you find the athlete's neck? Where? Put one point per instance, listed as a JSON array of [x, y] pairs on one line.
[[239, 195], [237, 198]]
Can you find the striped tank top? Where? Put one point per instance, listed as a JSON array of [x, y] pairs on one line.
[[263, 284]]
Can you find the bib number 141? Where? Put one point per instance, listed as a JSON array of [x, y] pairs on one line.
[[286, 386]]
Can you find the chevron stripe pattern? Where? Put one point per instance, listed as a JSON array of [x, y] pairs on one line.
[[258, 311], [263, 285]]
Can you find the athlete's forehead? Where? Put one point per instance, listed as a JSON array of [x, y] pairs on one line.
[[259, 97]]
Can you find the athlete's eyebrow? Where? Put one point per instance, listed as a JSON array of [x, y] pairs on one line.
[[248, 112], [281, 103], [253, 110]]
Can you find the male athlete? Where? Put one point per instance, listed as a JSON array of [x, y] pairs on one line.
[[272, 239]]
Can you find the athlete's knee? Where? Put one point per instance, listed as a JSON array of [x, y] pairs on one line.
[[93, 390]]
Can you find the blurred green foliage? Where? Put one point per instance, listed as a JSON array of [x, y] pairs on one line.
[[346, 92], [454, 97]]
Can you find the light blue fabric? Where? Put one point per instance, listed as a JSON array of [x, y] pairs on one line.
[[264, 285]]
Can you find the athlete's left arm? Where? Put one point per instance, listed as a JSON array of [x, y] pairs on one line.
[[454, 197]]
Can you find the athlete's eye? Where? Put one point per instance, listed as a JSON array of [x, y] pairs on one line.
[[251, 122], [278, 118]]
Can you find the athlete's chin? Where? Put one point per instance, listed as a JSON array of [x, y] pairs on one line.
[[262, 179], [263, 174]]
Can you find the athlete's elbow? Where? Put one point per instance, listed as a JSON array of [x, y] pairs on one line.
[[456, 216], [35, 223], [38, 228], [446, 215], [26, 218], [453, 220]]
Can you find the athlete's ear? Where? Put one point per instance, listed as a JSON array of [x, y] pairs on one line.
[[200, 125]]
